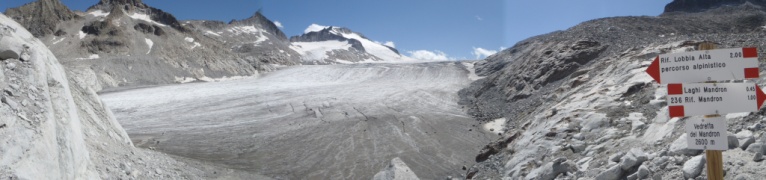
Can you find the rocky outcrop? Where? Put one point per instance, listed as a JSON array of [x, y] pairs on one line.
[[53, 125], [329, 34], [42, 131], [41, 17], [260, 20], [137, 6], [702, 5], [256, 39]]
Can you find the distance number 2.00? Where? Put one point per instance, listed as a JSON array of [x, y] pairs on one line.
[[735, 54]]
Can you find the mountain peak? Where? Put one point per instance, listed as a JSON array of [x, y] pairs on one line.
[[702, 5], [122, 2], [42, 16], [259, 19]]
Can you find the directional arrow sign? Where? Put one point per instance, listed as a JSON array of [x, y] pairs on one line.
[[707, 65], [691, 99]]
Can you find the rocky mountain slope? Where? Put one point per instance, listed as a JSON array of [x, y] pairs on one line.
[[328, 44], [128, 43], [256, 39], [578, 104], [41, 17], [54, 126]]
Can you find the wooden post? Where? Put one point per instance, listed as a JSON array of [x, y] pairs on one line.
[[713, 158], [714, 161]]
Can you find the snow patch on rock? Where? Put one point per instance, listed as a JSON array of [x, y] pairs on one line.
[[494, 126], [149, 43], [212, 33], [82, 34], [99, 13], [317, 51], [145, 17], [92, 56]]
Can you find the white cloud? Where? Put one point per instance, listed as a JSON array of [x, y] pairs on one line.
[[428, 55], [390, 44], [314, 27], [482, 53], [279, 24], [479, 18]]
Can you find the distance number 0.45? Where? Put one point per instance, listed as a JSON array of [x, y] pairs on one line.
[[750, 88]]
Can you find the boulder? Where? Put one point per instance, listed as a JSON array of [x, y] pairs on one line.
[[12, 104], [755, 148], [628, 161], [616, 156], [550, 170], [733, 141], [680, 147], [578, 146], [396, 170], [613, 173], [745, 138], [10, 48], [693, 167], [643, 172], [633, 158]]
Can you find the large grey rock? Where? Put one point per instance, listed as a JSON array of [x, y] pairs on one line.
[[10, 102], [550, 170], [755, 148], [733, 141], [628, 161], [633, 176], [745, 138], [54, 146], [693, 167], [578, 146], [643, 171], [680, 147], [633, 158], [396, 170], [10, 48], [616, 156], [613, 173]]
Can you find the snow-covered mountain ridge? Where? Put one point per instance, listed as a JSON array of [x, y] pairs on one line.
[[329, 44]]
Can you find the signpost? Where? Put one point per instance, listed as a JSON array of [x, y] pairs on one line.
[[683, 73], [706, 65], [693, 99]]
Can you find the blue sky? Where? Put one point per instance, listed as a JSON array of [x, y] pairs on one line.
[[455, 29]]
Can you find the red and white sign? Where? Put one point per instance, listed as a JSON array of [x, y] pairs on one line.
[[692, 99], [706, 65]]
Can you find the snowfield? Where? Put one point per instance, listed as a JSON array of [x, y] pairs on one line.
[[311, 51], [314, 122]]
